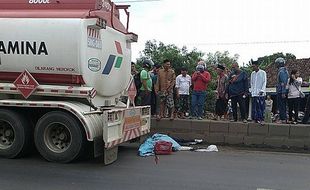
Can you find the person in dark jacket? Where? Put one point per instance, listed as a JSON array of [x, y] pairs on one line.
[[307, 112], [238, 91], [282, 89], [154, 97], [136, 77]]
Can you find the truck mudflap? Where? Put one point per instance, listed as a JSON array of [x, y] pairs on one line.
[[125, 124]]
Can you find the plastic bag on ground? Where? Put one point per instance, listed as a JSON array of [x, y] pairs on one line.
[[211, 148]]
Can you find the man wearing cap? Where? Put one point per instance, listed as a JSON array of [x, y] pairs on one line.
[[221, 99], [200, 80], [258, 92], [146, 88], [282, 89]]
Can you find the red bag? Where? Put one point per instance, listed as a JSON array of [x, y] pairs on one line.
[[162, 147]]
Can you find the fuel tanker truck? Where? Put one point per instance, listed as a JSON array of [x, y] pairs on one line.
[[64, 64]]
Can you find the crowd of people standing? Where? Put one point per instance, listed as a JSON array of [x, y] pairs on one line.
[[185, 95]]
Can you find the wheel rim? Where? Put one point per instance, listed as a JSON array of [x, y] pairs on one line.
[[7, 135], [57, 137]]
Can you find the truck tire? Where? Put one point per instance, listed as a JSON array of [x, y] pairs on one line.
[[15, 134], [59, 137]]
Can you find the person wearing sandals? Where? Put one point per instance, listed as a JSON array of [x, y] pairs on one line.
[[221, 98], [258, 92], [164, 89], [238, 91], [294, 89], [182, 85], [154, 97], [200, 80]]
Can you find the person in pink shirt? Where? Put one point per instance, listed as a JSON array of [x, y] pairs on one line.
[[200, 81]]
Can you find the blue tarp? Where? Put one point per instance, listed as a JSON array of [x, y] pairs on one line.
[[147, 148]]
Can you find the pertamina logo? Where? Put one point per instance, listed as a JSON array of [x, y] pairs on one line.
[[114, 60], [26, 84]]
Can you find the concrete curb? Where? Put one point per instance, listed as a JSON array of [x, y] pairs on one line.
[[236, 133]]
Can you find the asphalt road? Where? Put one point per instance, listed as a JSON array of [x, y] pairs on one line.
[[228, 169]]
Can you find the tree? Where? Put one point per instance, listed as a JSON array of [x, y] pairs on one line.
[[267, 60], [223, 58], [158, 52]]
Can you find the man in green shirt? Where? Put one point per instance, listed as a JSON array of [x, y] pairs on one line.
[[146, 88]]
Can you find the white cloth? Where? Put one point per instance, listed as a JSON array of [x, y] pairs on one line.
[[211, 148], [258, 83], [293, 92], [183, 83]]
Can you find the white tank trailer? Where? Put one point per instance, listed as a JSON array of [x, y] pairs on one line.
[[63, 66]]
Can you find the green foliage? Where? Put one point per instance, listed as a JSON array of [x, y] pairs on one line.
[[182, 57], [223, 58], [158, 52], [211, 99], [269, 59], [248, 70]]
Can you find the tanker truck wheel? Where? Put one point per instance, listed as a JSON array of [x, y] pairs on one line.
[[15, 134], [59, 137]]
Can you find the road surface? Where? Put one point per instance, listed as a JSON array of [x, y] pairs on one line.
[[228, 169]]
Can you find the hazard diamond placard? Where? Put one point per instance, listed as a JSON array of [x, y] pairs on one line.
[[26, 84]]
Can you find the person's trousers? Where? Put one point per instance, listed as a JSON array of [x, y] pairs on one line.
[[258, 108], [154, 103], [282, 106], [268, 118], [241, 101], [183, 103], [220, 107], [293, 105], [198, 102], [307, 111], [145, 98]]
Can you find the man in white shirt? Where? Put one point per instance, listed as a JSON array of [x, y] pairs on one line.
[[182, 85], [258, 92]]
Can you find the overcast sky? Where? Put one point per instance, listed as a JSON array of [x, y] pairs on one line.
[[219, 25]]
